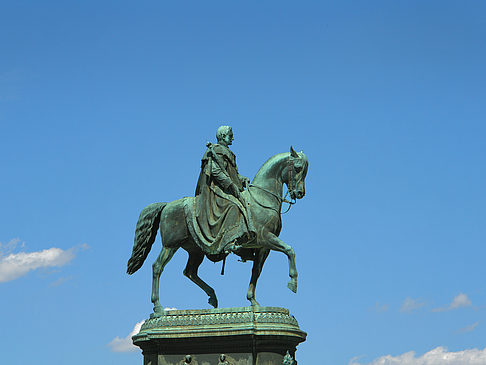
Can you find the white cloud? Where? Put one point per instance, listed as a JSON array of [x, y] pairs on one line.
[[15, 265], [410, 304], [437, 356], [125, 344], [461, 300]]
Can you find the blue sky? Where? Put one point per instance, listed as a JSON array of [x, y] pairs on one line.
[[105, 107]]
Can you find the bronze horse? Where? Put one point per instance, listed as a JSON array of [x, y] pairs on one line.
[[264, 196]]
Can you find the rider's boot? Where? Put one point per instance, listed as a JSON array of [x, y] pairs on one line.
[[232, 247]]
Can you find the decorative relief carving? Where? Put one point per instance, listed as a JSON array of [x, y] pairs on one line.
[[288, 359], [222, 360], [187, 359], [203, 319]]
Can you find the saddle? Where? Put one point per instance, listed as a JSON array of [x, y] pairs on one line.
[[231, 235]]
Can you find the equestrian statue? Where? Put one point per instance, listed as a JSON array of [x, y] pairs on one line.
[[228, 214]]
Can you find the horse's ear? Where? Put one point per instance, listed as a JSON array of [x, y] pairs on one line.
[[293, 153]]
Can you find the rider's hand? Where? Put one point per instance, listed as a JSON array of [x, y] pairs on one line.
[[245, 181]]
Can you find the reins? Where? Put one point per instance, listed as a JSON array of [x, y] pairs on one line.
[[279, 198], [289, 202], [290, 186]]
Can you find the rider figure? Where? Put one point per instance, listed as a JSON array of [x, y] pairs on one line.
[[222, 360], [288, 359], [221, 212]]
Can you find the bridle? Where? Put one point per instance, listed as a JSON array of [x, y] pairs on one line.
[[290, 187]]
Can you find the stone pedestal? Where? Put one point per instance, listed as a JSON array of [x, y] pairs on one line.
[[246, 336]]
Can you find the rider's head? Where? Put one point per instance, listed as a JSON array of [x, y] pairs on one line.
[[224, 134]]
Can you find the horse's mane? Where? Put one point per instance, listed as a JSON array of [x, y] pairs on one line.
[[278, 157]]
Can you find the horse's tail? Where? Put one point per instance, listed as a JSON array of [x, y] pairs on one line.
[[145, 233]]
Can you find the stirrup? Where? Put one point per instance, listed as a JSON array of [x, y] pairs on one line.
[[232, 247]]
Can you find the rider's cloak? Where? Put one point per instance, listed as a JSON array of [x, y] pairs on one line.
[[218, 218]]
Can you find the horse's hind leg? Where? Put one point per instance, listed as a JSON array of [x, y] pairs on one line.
[[193, 262], [157, 268], [260, 257]]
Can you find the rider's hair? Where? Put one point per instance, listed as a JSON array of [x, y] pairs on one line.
[[222, 131]]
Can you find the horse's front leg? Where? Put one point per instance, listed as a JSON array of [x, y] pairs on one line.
[[274, 243], [260, 257]]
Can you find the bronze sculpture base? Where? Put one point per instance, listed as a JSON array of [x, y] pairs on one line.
[[246, 336]]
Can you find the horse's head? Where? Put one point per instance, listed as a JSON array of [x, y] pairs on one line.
[[295, 173]]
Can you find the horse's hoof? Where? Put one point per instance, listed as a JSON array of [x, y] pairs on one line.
[[254, 303], [158, 311], [213, 302], [292, 285]]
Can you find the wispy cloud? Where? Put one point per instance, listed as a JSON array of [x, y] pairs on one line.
[[459, 301], [437, 356], [469, 328], [10, 246], [15, 265], [125, 344], [380, 308], [410, 305], [61, 280]]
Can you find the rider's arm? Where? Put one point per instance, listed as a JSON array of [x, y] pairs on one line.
[[223, 180]]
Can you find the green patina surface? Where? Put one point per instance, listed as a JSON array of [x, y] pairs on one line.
[[240, 336], [227, 215]]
